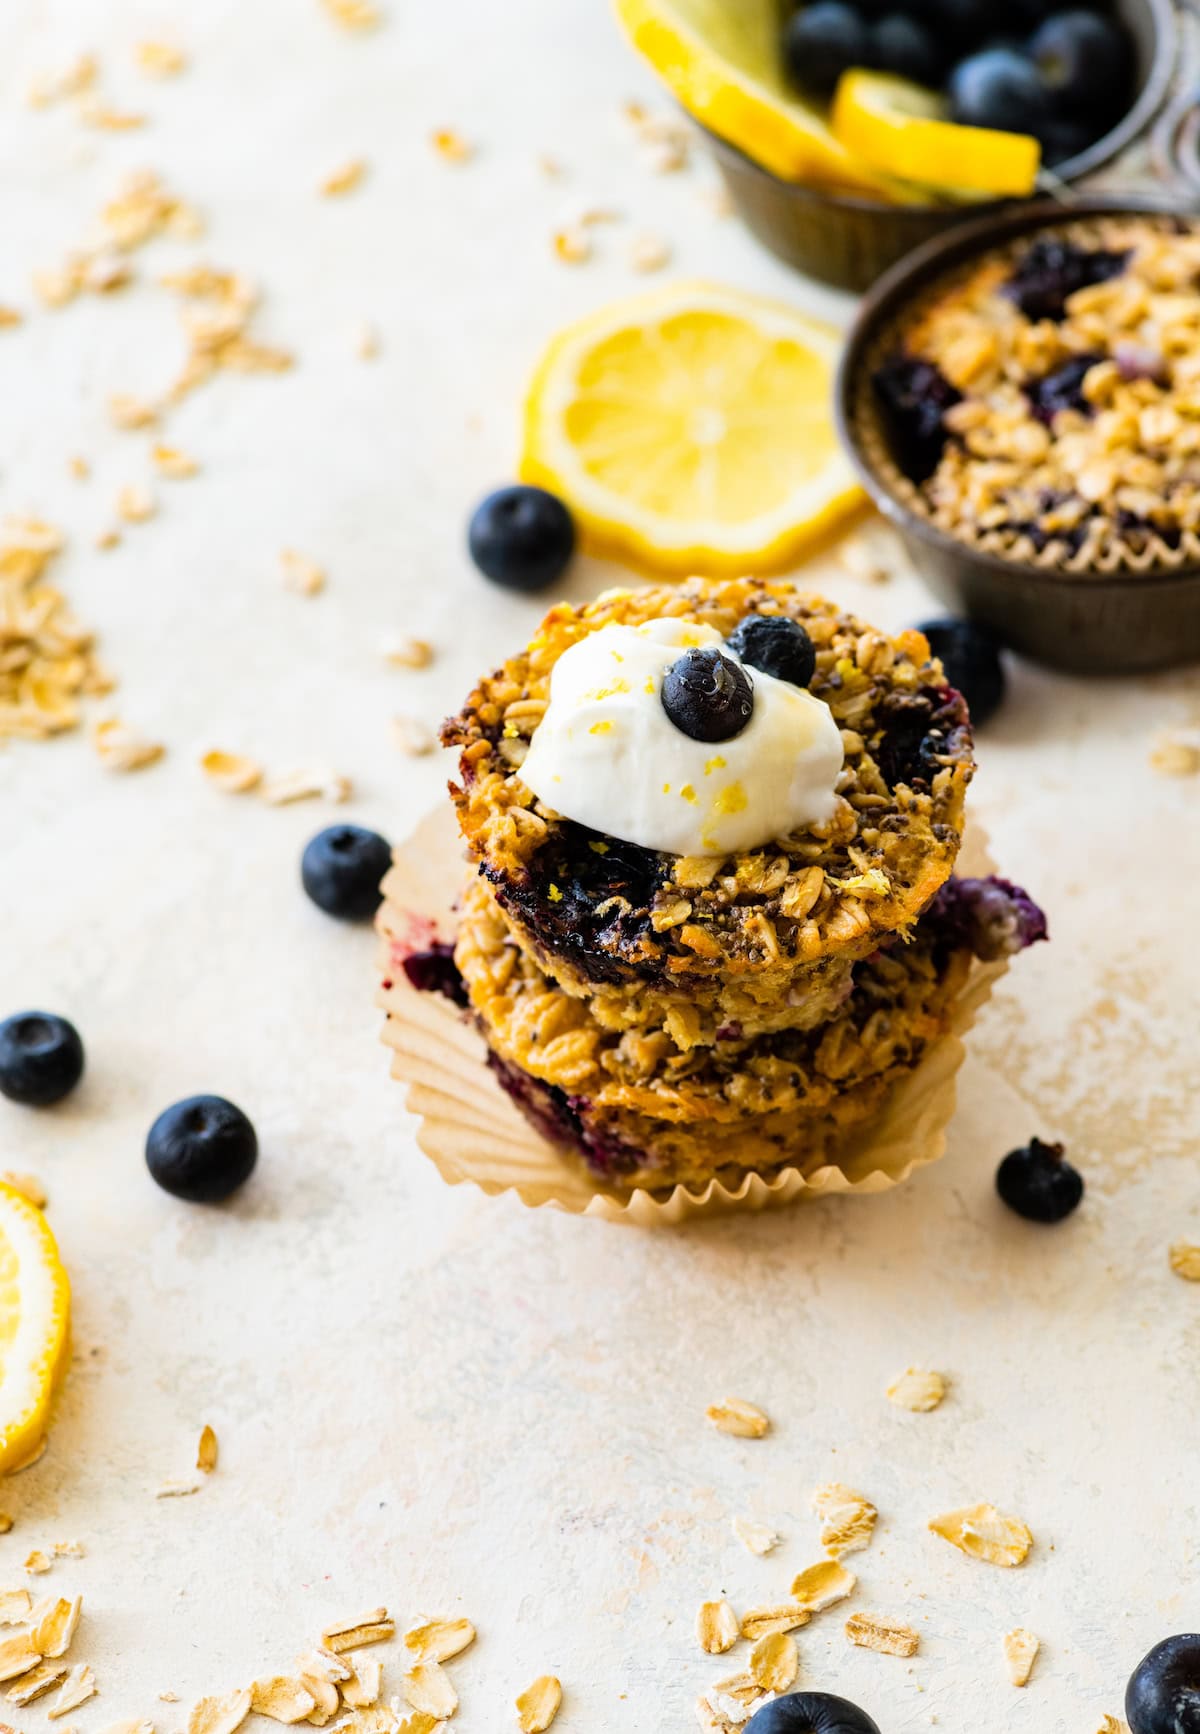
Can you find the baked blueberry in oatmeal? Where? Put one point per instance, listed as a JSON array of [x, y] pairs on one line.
[[1043, 402]]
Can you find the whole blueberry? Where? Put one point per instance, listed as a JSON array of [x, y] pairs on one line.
[[998, 88], [341, 870], [522, 537], [41, 1058], [707, 695], [1039, 1183], [1084, 62], [1163, 1695], [201, 1149], [904, 46], [775, 645], [971, 659], [822, 41], [811, 1713], [960, 26]]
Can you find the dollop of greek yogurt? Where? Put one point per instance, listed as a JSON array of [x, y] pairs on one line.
[[607, 755]]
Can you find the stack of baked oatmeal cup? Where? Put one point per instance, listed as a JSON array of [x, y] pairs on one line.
[[712, 922]]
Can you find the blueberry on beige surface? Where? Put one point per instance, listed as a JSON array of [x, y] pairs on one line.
[[1163, 1696], [41, 1058], [1038, 1183], [714, 922], [342, 868], [202, 1149], [811, 1713]]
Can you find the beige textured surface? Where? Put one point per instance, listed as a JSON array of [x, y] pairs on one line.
[[425, 1397]]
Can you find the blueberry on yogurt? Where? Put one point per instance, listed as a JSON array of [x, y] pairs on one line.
[[707, 695]]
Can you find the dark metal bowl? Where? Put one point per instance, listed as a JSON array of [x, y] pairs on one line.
[[850, 240], [1109, 624]]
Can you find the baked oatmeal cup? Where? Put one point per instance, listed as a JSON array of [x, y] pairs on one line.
[[642, 1111], [1042, 401], [689, 935]]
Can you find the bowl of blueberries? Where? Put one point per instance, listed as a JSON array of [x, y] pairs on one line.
[[1084, 80]]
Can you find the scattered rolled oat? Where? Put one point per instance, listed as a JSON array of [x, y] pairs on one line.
[[301, 575], [68, 1550], [282, 1699], [439, 1640], [738, 1417], [10, 316], [428, 1687], [37, 1682], [206, 1451], [175, 465], [14, 1606], [38, 1561], [717, 1627], [889, 1637], [55, 1629], [917, 1390], [159, 59], [649, 253], [106, 539], [758, 1537], [135, 503], [372, 1628], [451, 146], [361, 1690], [17, 1655], [130, 413], [353, 14], [985, 1533], [30, 1187], [6, 1523], [73, 80], [366, 341], [343, 179], [79, 468], [538, 1704], [94, 112], [1185, 1260], [1020, 1648], [122, 749], [761, 1622], [133, 1725], [412, 736], [77, 1688], [820, 1586], [46, 658], [408, 652], [231, 771], [572, 245], [220, 1715], [774, 1662], [176, 1488], [1111, 1725], [847, 1519], [1176, 755], [315, 1677], [285, 787]]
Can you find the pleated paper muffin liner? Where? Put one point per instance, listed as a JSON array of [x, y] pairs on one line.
[[472, 1132], [1149, 553]]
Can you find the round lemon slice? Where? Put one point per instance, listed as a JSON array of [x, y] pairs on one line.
[[902, 127], [721, 59], [690, 430], [35, 1306]]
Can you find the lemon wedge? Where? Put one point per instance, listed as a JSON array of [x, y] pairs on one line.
[[722, 61], [35, 1305], [901, 126], [690, 429]]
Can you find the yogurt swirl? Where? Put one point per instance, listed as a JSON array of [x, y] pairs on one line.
[[607, 755]]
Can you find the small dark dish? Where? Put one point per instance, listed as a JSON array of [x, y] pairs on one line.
[[1109, 624], [850, 240]]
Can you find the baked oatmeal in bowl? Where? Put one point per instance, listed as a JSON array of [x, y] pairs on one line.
[[711, 923], [1024, 402]]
